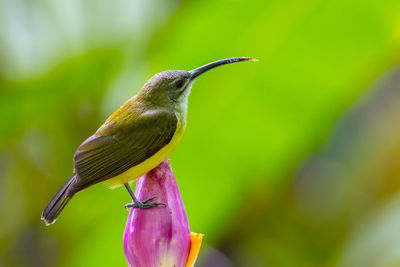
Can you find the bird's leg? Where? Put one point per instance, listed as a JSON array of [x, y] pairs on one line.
[[140, 204]]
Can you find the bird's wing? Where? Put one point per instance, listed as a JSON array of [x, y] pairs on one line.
[[102, 157]]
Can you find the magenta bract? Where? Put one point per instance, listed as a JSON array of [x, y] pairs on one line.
[[158, 236]]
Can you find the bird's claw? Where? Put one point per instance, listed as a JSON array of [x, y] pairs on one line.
[[147, 200], [143, 204]]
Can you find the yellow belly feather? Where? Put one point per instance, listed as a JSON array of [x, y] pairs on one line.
[[150, 163]]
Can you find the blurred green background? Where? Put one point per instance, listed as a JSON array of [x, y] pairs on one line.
[[290, 161]]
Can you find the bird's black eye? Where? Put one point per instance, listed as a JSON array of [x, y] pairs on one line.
[[179, 84]]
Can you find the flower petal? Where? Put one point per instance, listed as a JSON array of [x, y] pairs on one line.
[[158, 236], [194, 248]]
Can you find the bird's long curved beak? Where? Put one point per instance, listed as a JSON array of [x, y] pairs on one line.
[[197, 72]]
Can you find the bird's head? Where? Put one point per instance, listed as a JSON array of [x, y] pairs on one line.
[[172, 87]]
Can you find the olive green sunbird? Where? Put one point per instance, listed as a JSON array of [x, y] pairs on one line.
[[134, 139]]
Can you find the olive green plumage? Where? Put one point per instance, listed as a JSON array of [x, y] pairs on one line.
[[104, 156]]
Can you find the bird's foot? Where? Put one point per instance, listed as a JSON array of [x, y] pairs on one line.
[[143, 204]]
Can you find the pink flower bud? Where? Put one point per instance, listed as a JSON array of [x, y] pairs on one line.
[[159, 236]]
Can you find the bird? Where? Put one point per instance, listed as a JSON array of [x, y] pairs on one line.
[[136, 138]]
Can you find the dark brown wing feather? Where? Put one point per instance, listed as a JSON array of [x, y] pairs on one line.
[[102, 157]]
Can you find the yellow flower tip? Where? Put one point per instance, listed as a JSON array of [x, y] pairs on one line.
[[195, 245]]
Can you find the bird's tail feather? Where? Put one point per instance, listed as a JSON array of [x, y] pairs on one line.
[[57, 203]]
